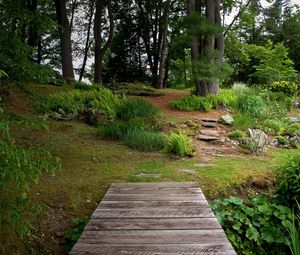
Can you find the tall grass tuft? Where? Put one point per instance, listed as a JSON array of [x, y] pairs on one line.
[[131, 109], [145, 140], [179, 144]]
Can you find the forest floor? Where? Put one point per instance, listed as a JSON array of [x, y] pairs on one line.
[[90, 165]]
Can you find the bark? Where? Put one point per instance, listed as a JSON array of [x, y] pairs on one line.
[[88, 42], [99, 52], [32, 33], [65, 39], [164, 49]]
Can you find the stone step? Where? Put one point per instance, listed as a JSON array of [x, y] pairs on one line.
[[206, 138], [209, 119], [209, 124], [209, 132]]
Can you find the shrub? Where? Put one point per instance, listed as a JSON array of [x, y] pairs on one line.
[[179, 144], [71, 102], [275, 127], [103, 99], [287, 87], [292, 129], [136, 108], [82, 85], [144, 140], [282, 100], [236, 134], [289, 182], [240, 88], [256, 226], [226, 97], [252, 105]]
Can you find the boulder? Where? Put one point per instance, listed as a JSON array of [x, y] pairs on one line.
[[209, 132], [209, 124], [226, 119], [206, 138], [258, 137]]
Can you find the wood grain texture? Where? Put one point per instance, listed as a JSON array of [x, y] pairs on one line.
[[153, 218]]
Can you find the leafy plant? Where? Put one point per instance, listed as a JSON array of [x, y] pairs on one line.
[[294, 234], [240, 88], [103, 99], [275, 127], [131, 109], [257, 226], [20, 168], [71, 102], [144, 140], [236, 134], [243, 121], [74, 233], [252, 105], [287, 87], [288, 179], [179, 144]]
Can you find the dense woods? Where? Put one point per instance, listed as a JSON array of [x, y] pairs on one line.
[[106, 41]]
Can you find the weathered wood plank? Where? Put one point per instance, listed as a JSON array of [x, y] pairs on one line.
[[202, 236], [150, 249], [152, 204], [152, 223], [157, 184], [153, 190], [153, 197], [153, 219], [154, 213]]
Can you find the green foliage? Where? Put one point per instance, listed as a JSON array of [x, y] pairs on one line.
[[179, 144], [279, 103], [19, 169], [137, 89], [287, 87], [3, 74], [136, 108], [71, 102], [276, 127], [144, 140], [240, 88], [119, 129], [292, 129], [288, 179], [256, 226], [294, 234], [236, 134], [77, 101], [73, 234], [103, 99], [252, 105], [82, 85], [192, 103]]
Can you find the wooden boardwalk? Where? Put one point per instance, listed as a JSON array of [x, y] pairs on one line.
[[153, 218]]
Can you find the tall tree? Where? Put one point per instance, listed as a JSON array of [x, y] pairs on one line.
[[65, 39], [98, 29]]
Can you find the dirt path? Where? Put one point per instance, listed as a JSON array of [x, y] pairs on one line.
[[205, 151]]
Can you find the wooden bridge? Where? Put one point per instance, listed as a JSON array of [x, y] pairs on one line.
[[153, 218]]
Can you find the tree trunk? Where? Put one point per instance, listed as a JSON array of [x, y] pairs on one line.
[[163, 49], [99, 52], [65, 39], [32, 33], [87, 43]]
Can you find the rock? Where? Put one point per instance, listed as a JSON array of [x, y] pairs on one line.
[[59, 116], [259, 137], [209, 124], [148, 175], [93, 116], [186, 171], [294, 140], [226, 119], [206, 138], [209, 132], [209, 120], [204, 164], [295, 119], [274, 142], [61, 111], [218, 155]]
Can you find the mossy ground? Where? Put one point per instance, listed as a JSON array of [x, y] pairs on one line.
[[90, 165]]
